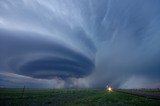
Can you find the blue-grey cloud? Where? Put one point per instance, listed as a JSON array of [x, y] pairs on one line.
[[62, 61], [103, 42]]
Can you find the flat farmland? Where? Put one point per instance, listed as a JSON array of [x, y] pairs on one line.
[[72, 97], [147, 93]]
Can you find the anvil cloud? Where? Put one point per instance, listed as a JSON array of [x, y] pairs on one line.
[[80, 43]]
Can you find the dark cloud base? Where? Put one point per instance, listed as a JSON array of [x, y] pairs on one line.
[[51, 67]]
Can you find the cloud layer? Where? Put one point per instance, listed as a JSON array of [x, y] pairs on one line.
[[87, 43]]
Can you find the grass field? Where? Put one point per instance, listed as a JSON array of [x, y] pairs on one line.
[[71, 97]]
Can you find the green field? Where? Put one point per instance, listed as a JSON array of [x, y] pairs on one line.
[[71, 97]]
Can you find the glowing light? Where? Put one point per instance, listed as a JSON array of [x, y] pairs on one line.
[[109, 89]]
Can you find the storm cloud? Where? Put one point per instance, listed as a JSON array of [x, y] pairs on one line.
[[86, 43]]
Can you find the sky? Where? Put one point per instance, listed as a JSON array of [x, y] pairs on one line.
[[80, 43]]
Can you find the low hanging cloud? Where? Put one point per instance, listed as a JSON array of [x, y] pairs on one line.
[[87, 43], [40, 58]]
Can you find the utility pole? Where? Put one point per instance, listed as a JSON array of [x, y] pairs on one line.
[[23, 91]]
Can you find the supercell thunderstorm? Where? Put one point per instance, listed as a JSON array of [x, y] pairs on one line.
[[82, 43]]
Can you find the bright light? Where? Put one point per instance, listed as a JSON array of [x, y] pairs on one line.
[[109, 89]]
